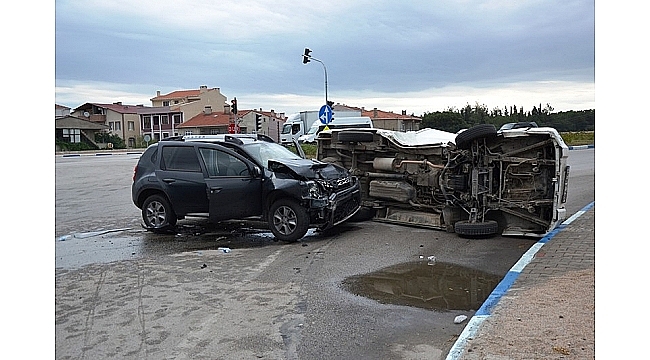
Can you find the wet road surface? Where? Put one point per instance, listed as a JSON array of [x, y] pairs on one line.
[[124, 292]]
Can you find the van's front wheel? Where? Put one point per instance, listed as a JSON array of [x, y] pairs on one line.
[[288, 220]]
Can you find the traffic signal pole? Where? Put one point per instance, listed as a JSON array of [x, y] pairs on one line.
[[306, 58]]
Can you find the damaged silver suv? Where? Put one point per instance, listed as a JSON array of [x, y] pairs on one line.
[[478, 182], [226, 177]]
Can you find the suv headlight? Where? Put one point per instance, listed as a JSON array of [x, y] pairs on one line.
[[314, 190]]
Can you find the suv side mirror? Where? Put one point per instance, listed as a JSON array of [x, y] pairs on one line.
[[255, 172]]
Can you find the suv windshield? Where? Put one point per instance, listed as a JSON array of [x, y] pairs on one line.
[[263, 151]]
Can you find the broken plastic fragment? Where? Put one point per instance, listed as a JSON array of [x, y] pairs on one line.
[[459, 319]]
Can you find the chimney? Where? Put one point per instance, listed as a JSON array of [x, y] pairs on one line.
[[203, 88], [403, 112], [226, 109], [117, 103], [157, 93], [374, 113], [208, 110]]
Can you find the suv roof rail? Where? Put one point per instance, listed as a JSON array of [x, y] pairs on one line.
[[265, 138], [232, 139], [173, 138]]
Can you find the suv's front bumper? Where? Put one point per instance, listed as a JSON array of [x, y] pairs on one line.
[[337, 208]]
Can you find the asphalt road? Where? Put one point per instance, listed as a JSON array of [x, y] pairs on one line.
[[123, 292]]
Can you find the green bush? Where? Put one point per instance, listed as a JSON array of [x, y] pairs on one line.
[[67, 146], [105, 138], [309, 149]]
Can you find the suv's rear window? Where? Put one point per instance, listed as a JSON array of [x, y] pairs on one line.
[[180, 158]]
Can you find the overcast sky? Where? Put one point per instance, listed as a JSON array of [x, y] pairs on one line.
[[418, 56]]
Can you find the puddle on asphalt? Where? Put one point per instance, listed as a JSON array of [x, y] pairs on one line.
[[433, 286]]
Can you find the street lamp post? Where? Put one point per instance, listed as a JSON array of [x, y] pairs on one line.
[[306, 58]]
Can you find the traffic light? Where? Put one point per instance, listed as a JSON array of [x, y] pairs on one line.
[[234, 106], [258, 122], [305, 57]]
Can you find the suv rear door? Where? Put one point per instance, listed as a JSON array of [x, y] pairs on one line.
[[182, 178], [234, 187]]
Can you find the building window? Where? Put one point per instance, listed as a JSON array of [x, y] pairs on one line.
[[131, 125], [72, 135], [118, 126], [165, 119], [166, 103], [177, 118], [110, 126], [147, 122], [188, 132], [175, 101], [214, 131]]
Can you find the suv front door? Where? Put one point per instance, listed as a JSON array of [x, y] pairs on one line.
[[234, 188]]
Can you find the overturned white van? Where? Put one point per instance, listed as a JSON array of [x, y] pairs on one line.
[[479, 182]]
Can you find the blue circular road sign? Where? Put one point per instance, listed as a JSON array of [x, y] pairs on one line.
[[325, 114]]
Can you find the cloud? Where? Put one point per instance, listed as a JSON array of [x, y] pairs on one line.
[[398, 49]]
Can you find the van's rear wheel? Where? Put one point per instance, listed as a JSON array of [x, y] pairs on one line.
[[478, 229], [288, 220]]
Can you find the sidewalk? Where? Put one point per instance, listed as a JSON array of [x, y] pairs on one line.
[[545, 306]]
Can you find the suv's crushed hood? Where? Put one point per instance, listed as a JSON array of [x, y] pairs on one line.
[[306, 169]]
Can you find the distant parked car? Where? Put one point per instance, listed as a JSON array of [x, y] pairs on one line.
[[224, 177], [518, 125], [478, 182]]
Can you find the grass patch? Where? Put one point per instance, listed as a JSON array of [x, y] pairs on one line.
[[579, 138]]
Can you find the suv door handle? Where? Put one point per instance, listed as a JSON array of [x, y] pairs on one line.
[[169, 181], [214, 190]]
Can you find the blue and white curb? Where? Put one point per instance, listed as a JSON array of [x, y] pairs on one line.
[[485, 310]]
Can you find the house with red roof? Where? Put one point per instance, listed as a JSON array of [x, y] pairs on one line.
[[386, 119], [191, 102], [210, 122], [132, 122]]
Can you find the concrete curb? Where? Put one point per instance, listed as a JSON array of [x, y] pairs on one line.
[[582, 147], [504, 286], [98, 154]]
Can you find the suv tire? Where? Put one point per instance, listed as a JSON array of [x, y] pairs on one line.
[[288, 220], [157, 214]]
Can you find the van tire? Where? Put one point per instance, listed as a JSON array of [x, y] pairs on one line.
[[464, 140], [356, 136], [476, 229]]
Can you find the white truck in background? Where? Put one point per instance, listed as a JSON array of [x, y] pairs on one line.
[[298, 124]]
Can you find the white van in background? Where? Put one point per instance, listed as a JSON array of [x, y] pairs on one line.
[[357, 122]]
